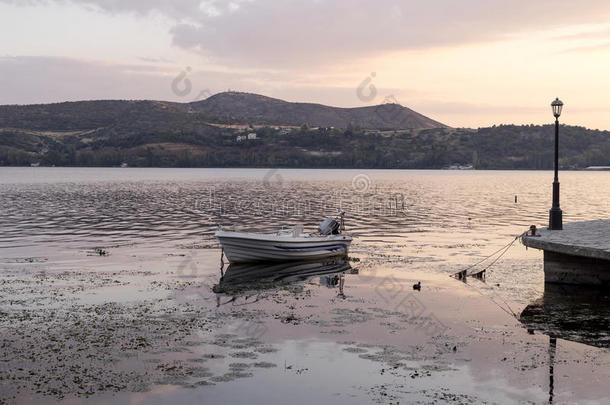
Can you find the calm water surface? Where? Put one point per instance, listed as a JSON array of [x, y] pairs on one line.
[[92, 205], [408, 225], [444, 217]]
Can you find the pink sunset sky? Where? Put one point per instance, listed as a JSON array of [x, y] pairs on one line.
[[465, 63]]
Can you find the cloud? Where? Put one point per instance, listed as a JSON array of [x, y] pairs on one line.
[[605, 46], [35, 79], [43, 79], [177, 10], [291, 33], [150, 59], [303, 33], [599, 33]]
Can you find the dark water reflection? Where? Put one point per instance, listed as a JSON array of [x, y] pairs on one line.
[[572, 313], [243, 277]]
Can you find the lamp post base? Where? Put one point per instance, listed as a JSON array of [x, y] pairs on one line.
[[555, 219]]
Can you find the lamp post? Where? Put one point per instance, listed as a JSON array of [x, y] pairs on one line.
[[555, 214]]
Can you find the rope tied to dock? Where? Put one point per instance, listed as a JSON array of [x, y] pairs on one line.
[[461, 275], [502, 252]]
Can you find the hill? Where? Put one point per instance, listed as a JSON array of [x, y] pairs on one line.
[[254, 108], [222, 108]]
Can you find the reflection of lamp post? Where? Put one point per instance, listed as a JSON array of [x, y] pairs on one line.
[[555, 214], [552, 350]]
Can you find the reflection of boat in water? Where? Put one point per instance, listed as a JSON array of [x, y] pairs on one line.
[[258, 276], [242, 247], [574, 313]]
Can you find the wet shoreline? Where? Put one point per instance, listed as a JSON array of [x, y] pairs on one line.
[[94, 335]]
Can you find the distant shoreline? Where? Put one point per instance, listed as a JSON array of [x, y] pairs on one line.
[[312, 168]]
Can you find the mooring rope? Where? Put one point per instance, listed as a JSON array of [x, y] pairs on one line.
[[502, 252], [505, 248], [509, 311]]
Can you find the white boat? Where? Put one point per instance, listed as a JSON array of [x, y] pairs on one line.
[[243, 247]]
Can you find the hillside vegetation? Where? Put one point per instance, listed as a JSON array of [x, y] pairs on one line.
[[214, 133], [245, 107]]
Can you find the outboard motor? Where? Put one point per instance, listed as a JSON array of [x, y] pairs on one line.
[[329, 226]]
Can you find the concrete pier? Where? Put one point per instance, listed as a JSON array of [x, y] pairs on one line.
[[578, 254]]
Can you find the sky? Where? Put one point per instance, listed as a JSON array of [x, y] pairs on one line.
[[468, 63]]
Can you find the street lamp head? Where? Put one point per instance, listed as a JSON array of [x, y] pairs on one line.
[[556, 105]]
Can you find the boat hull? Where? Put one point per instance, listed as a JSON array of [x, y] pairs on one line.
[[244, 248]]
